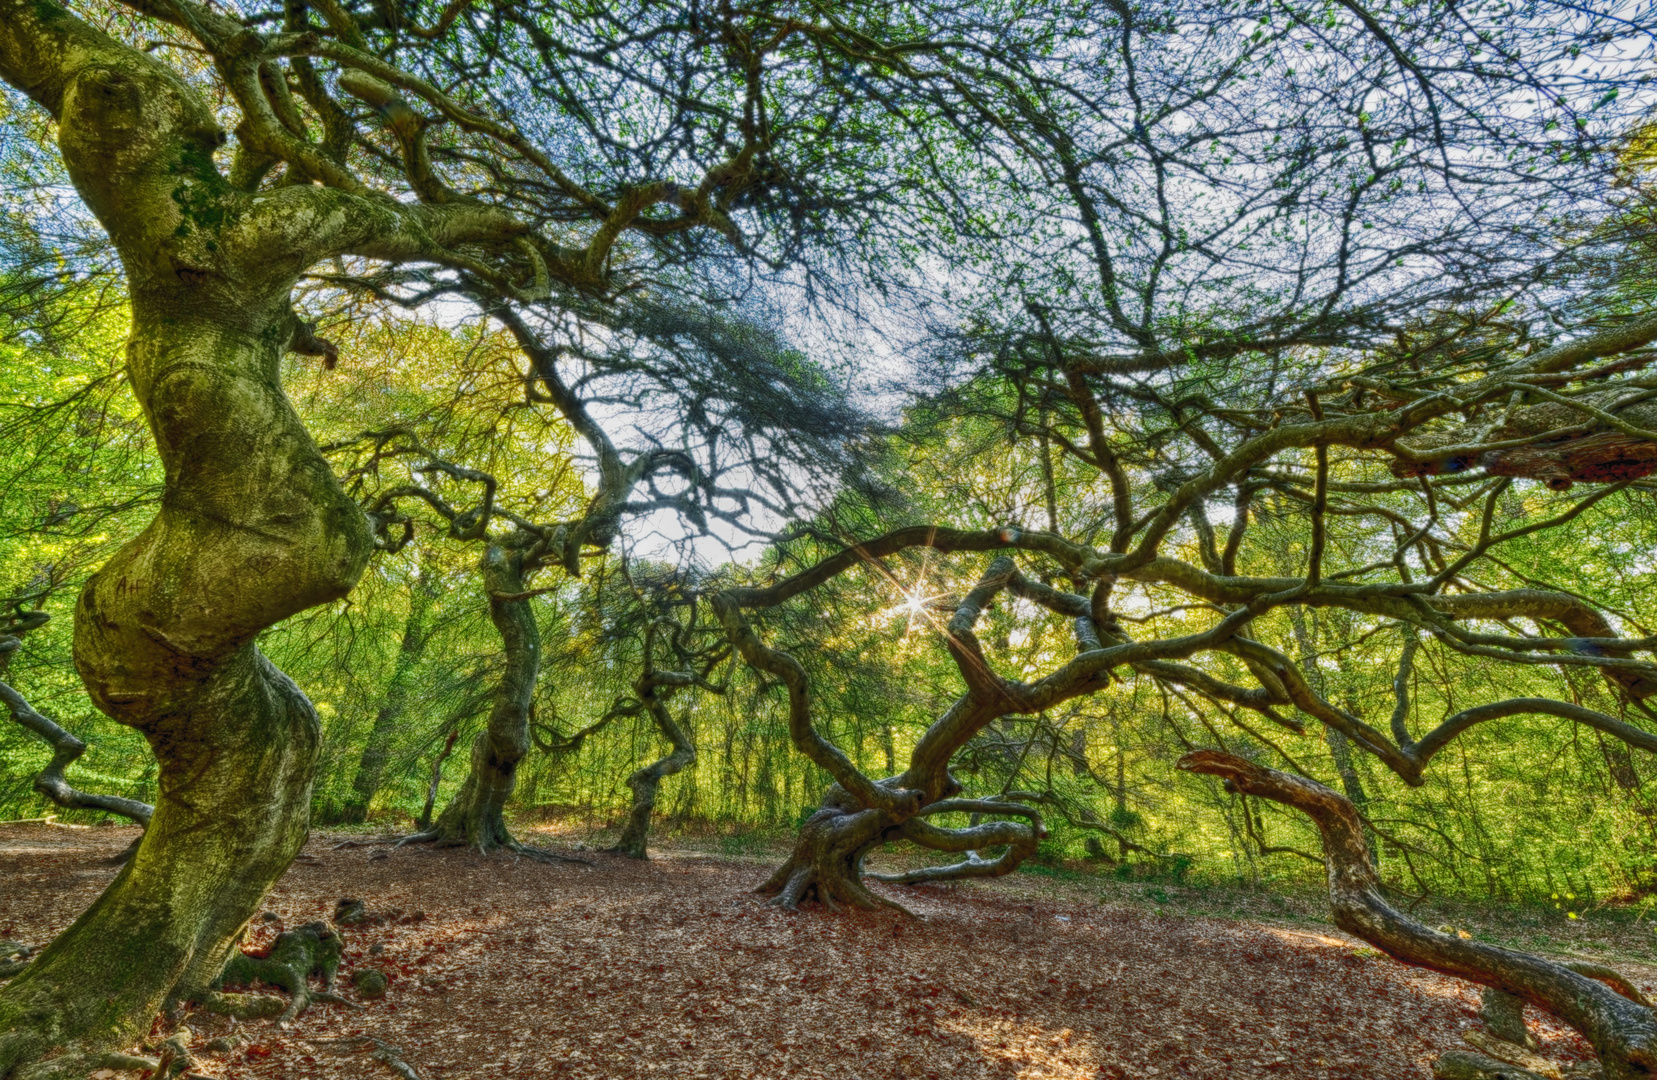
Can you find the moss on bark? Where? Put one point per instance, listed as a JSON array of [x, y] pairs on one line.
[[475, 817], [253, 527]]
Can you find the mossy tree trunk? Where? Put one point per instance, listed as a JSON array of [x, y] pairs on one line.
[[253, 528], [474, 817]]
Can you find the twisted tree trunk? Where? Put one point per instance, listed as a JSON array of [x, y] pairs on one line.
[[645, 782], [857, 814], [474, 817], [1621, 1028], [253, 528]]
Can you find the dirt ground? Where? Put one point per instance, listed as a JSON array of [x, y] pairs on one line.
[[505, 967]]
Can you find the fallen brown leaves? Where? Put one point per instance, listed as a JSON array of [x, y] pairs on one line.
[[520, 969]]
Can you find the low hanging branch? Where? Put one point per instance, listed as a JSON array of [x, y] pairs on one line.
[[66, 748], [1621, 1026], [1018, 840]]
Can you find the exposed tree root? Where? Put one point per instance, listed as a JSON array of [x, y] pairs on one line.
[[1466, 1065], [241, 1006], [545, 856], [384, 1052], [504, 841], [77, 1063], [295, 956], [1622, 1030], [1513, 1054], [174, 1061], [827, 864]]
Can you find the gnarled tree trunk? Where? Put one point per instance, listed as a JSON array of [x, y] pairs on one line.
[[858, 814], [474, 817], [1601, 1005], [645, 782], [253, 528]]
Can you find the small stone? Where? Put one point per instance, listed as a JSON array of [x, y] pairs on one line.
[[220, 1045], [376, 949], [370, 982]]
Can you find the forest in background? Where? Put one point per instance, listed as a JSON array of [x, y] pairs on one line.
[[1528, 810]]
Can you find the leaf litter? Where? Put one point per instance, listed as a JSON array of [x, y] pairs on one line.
[[507, 967]]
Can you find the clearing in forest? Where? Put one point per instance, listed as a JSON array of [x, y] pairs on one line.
[[506, 967]]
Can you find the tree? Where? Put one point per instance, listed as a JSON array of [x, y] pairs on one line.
[[728, 398], [652, 691], [390, 715], [1295, 376], [1609, 1011], [253, 526]]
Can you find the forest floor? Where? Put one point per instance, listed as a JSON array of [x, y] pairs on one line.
[[506, 967]]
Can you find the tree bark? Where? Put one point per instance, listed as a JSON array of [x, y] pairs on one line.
[[253, 528], [475, 816], [645, 782]]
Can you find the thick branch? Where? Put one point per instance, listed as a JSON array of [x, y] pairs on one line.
[[51, 782], [1623, 1032]]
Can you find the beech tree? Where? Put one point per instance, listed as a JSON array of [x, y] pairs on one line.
[[1223, 315], [696, 651], [734, 423], [1193, 296], [384, 149], [1219, 266]]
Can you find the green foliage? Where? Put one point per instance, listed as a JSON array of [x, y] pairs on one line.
[[1522, 808]]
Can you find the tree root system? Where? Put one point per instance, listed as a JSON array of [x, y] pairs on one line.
[[506, 843], [294, 958]]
